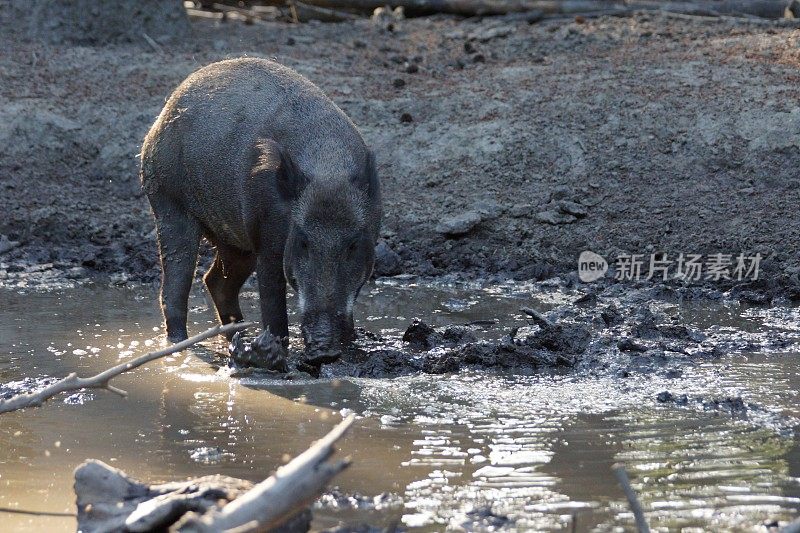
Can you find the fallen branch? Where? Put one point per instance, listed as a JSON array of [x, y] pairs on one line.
[[109, 500], [101, 381], [153, 44], [548, 9], [768, 9], [276, 499], [423, 7], [305, 12], [12, 510], [633, 501]]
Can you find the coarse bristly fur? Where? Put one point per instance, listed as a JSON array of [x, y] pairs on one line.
[[253, 156]]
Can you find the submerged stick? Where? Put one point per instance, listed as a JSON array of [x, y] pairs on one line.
[[633, 501], [101, 381], [59, 514], [276, 499]]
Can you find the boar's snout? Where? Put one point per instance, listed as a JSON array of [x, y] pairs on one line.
[[325, 334]]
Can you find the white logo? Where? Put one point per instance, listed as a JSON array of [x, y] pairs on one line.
[[591, 266]]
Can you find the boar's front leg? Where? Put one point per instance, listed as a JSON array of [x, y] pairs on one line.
[[272, 294], [178, 242], [225, 278]]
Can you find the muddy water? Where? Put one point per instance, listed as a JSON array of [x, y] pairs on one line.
[[478, 449]]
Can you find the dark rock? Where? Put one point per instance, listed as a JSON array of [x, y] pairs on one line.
[[668, 397], [460, 224], [572, 208], [734, 405], [484, 519], [421, 336], [488, 209], [629, 345], [406, 118], [399, 83], [665, 397], [566, 338], [521, 210], [560, 192], [443, 364], [587, 300], [455, 335], [555, 218], [536, 271], [645, 324], [680, 332], [412, 68], [6, 244], [387, 261], [561, 338]]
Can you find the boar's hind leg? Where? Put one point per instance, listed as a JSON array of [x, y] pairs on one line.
[[178, 241], [224, 280], [272, 295]]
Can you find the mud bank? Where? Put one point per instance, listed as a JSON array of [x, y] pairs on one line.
[[505, 148]]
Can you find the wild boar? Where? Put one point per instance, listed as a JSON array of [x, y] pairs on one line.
[[258, 160]]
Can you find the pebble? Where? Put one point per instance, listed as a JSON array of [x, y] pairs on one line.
[[387, 261], [555, 218], [460, 224], [572, 208]]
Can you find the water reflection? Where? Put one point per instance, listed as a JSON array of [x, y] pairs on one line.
[[478, 450]]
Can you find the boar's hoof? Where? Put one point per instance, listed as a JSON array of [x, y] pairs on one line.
[[177, 336], [265, 351], [312, 370], [321, 356]]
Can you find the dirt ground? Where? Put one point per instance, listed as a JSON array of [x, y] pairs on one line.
[[662, 134]]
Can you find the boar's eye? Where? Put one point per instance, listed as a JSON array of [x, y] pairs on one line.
[[352, 246]]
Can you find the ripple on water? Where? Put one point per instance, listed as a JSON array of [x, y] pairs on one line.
[[486, 450]]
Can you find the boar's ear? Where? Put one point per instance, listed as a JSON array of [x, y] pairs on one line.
[[367, 179], [291, 181], [272, 161]]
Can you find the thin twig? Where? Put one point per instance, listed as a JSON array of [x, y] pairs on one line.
[[305, 12], [101, 381], [36, 513], [633, 501], [537, 317], [153, 44], [482, 322]]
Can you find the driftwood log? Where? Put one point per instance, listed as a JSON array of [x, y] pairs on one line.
[[101, 381], [108, 500], [336, 10]]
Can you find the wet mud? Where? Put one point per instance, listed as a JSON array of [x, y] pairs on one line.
[[603, 331]]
